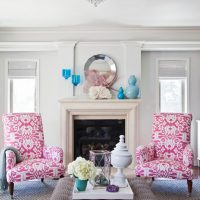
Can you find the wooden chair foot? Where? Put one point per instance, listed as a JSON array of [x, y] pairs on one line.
[[11, 189], [61, 176], [189, 183], [42, 180]]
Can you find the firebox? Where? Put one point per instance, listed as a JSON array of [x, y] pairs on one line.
[[98, 134]]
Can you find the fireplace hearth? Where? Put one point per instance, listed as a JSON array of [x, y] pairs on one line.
[[98, 134]]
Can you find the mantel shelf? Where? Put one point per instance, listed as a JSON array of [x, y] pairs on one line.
[[87, 100]]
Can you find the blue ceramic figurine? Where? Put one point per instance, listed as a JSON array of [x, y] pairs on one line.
[[132, 90], [120, 94]]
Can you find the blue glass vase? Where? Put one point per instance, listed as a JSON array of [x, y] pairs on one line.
[[132, 91], [120, 94], [81, 184]]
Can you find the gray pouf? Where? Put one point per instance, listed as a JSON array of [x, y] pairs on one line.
[[140, 186]]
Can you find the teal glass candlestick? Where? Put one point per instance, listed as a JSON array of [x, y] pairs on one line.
[[76, 79], [66, 73]]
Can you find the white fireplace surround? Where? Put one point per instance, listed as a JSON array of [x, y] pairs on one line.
[[77, 108]]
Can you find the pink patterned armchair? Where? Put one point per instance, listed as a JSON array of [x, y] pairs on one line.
[[24, 131], [169, 155]]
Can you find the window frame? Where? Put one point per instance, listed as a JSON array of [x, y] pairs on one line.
[[8, 85], [186, 91]]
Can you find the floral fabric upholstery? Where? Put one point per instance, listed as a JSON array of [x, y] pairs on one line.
[[164, 168], [24, 131], [10, 160], [169, 155], [53, 153], [35, 169]]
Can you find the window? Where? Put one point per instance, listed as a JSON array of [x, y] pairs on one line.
[[23, 86], [173, 85]]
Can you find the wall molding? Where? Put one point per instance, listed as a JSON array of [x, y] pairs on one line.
[[170, 45], [94, 33], [144, 45], [34, 46]]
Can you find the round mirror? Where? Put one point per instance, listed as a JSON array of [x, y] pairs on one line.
[[100, 70]]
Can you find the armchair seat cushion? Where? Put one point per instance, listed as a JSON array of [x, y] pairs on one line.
[[35, 169], [164, 168]]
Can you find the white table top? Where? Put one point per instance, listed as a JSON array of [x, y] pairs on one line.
[[101, 193]]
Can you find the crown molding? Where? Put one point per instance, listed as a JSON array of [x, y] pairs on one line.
[[170, 45], [144, 45], [96, 29], [34, 46]]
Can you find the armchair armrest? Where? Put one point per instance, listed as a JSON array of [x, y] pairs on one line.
[[188, 156], [10, 159], [145, 153], [53, 153]]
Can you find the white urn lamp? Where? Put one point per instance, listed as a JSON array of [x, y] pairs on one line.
[[120, 159]]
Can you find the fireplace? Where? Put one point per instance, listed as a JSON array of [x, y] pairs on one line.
[[76, 109], [96, 134]]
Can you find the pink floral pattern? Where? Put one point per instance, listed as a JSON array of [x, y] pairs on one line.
[[53, 153], [35, 169], [164, 168], [145, 153], [10, 160], [170, 155], [24, 131]]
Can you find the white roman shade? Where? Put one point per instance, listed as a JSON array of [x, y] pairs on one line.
[[172, 68], [22, 68]]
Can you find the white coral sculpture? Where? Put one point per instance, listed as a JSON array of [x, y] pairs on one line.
[[99, 92]]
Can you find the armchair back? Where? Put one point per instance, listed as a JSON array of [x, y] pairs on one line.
[[171, 134], [24, 131]]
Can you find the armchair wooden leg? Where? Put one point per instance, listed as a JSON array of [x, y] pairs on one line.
[[153, 179], [138, 175], [189, 182], [11, 189], [42, 180], [61, 176]]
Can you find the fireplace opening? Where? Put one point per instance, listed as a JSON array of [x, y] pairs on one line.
[[97, 134]]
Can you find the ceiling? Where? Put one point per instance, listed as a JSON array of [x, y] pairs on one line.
[[62, 13]]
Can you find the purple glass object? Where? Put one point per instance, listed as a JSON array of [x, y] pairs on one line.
[[112, 188], [66, 73], [76, 79]]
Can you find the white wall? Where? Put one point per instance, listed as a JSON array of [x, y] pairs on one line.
[[54, 87], [148, 88]]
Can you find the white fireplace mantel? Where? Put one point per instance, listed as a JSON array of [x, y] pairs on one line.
[[80, 108]]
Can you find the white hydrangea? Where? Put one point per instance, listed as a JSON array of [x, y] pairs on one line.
[[82, 168], [99, 92]]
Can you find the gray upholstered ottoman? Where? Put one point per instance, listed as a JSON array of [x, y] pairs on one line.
[[140, 186]]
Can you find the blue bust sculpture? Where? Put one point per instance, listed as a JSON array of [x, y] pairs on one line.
[[132, 90]]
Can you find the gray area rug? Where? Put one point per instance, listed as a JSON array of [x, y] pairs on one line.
[[144, 189]]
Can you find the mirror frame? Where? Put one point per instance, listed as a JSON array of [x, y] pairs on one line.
[[105, 58]]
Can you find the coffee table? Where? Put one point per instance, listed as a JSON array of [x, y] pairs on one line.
[[101, 193]]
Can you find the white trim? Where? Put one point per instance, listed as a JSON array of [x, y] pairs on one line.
[[145, 45], [7, 90], [34, 46], [187, 81], [170, 45]]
